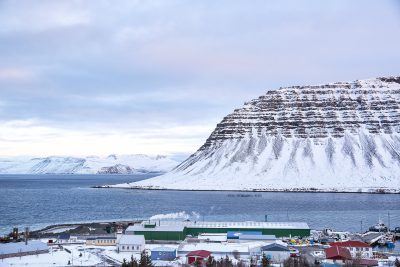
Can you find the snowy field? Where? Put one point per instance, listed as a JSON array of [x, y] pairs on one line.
[[90, 256]]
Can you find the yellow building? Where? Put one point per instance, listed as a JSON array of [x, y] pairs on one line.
[[101, 241]]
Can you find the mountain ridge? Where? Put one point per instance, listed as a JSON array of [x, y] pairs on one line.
[[336, 137], [112, 164]]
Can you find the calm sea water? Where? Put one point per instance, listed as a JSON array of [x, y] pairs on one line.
[[40, 200]]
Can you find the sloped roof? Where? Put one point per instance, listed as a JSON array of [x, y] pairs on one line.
[[274, 247], [199, 253], [337, 252], [351, 243], [131, 239]]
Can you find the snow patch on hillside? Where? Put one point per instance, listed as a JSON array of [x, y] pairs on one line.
[[112, 164]]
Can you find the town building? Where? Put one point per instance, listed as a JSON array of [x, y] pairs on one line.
[[101, 241], [277, 253], [218, 250], [131, 243], [337, 254], [163, 254], [197, 255], [249, 237], [63, 238], [173, 230], [217, 238], [357, 249]]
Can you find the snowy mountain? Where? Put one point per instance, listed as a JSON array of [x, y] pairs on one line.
[[341, 136], [113, 164]]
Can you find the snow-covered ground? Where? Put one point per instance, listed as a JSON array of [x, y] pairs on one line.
[[55, 257], [337, 137], [293, 170], [121, 164], [91, 255]]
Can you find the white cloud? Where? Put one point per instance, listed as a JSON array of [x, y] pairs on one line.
[[33, 137], [17, 74], [36, 16], [145, 76]]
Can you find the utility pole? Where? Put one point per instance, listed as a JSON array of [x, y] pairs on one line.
[[361, 227], [388, 221]]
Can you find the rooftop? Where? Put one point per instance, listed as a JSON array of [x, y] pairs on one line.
[[337, 252], [158, 228], [131, 239], [275, 247], [168, 249], [351, 244], [257, 237], [201, 253], [214, 247], [179, 225]]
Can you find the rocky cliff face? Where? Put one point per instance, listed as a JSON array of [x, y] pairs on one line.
[[342, 136]]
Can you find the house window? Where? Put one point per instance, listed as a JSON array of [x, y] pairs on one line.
[[137, 247], [123, 247]]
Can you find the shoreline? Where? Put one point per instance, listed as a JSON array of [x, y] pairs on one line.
[[309, 190], [79, 228]]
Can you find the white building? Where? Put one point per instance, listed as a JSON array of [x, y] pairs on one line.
[[277, 253], [218, 250], [356, 248], [131, 243]]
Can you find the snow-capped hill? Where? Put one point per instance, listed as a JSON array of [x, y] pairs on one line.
[[113, 164], [341, 136]]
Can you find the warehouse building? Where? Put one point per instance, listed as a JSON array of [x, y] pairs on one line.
[[173, 230]]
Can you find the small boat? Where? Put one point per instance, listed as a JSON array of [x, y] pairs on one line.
[[387, 240], [390, 244], [379, 227]]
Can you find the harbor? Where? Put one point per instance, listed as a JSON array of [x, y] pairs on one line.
[[185, 242]]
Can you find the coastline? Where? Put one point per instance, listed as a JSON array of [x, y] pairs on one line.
[[294, 190]]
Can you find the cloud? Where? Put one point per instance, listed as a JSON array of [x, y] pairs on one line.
[[153, 72], [16, 74], [34, 137]]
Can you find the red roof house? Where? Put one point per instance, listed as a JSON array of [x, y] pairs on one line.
[[357, 248], [350, 244], [337, 253], [197, 255]]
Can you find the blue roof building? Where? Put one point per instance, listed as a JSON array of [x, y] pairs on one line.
[[163, 254], [277, 253], [236, 235]]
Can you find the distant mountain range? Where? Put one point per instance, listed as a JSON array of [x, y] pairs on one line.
[[112, 164], [336, 137]]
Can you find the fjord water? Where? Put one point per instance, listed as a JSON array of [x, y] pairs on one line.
[[40, 200]]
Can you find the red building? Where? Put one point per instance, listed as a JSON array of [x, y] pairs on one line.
[[357, 249], [197, 255], [337, 253]]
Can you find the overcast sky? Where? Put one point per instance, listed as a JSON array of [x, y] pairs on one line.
[[100, 77]]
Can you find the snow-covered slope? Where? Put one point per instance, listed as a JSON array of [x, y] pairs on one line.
[[334, 137], [113, 164]]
